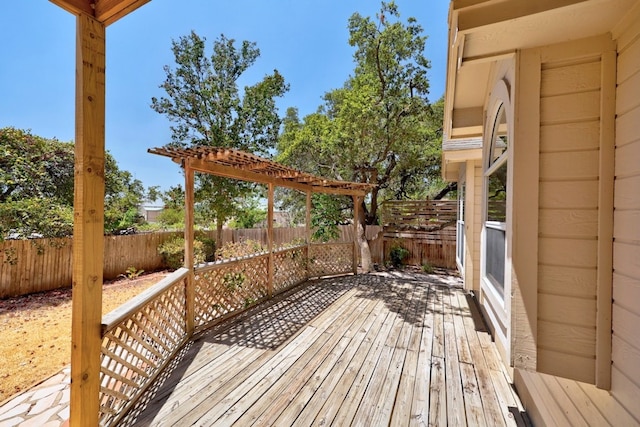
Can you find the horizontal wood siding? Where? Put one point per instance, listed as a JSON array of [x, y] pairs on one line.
[[556, 401], [568, 217], [625, 381], [553, 400]]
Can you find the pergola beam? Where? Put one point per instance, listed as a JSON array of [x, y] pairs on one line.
[[76, 7], [109, 11], [236, 164], [104, 11], [245, 175]]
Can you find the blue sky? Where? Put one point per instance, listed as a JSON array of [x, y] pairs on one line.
[[307, 41]]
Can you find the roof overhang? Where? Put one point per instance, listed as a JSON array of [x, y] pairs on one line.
[[457, 151], [483, 32], [105, 11]]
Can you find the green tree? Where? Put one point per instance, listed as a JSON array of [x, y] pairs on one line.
[[36, 187], [326, 215], [34, 167], [172, 216], [153, 193], [207, 108], [379, 128], [123, 195], [249, 214]]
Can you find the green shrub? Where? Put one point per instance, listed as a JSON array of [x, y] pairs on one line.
[[398, 255], [208, 246], [239, 249], [172, 252], [427, 267], [131, 273], [233, 280]]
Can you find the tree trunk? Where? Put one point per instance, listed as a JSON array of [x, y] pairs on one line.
[[365, 251], [219, 241], [446, 190]]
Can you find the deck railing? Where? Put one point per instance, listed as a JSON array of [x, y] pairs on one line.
[[138, 340], [142, 336]]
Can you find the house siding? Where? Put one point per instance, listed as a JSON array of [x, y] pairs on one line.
[[553, 400], [568, 216], [473, 224], [625, 375]]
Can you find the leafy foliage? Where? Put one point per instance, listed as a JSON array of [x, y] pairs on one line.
[[207, 108], [172, 216], [327, 213], [239, 249], [233, 280], [398, 255], [427, 268], [248, 214], [131, 273], [172, 252], [36, 187], [379, 127], [35, 216]]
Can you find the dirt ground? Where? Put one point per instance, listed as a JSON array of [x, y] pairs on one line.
[[35, 331]]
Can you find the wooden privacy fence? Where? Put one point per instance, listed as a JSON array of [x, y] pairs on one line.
[[38, 265], [435, 248], [426, 228], [418, 214]]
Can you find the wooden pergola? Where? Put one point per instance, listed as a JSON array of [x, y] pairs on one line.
[[93, 16], [235, 164]]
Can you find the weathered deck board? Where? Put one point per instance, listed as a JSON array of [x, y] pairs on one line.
[[380, 349]]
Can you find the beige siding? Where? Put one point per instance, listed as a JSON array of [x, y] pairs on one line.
[[552, 400], [556, 401], [477, 225], [568, 217], [625, 381], [473, 212]]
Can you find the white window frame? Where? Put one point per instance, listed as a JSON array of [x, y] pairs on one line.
[[497, 307]]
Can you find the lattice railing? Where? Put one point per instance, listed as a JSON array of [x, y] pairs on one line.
[[222, 288], [290, 267], [330, 259], [138, 340], [141, 337]]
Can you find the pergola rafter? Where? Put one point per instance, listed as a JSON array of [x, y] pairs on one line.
[[104, 11], [236, 164]]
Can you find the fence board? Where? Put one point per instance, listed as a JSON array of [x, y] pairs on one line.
[[424, 227], [29, 266], [37, 265]]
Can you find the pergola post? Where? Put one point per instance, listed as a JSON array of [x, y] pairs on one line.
[[189, 200], [356, 216], [270, 240], [88, 225]]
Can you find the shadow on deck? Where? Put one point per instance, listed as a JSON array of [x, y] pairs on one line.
[[395, 348]]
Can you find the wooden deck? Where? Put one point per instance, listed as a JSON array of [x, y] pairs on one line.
[[368, 350]]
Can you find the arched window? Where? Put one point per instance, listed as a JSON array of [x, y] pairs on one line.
[[496, 183]]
